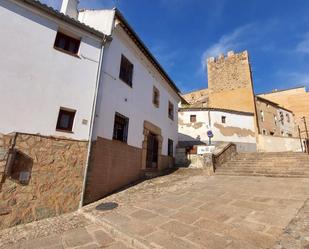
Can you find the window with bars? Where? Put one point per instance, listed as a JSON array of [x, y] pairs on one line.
[[121, 125], [156, 97], [126, 71], [67, 43]]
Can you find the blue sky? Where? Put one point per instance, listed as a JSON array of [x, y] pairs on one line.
[[182, 33]]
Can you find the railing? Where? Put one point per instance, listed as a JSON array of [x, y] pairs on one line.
[[223, 155]]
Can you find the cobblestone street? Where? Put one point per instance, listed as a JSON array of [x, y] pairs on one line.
[[182, 210]]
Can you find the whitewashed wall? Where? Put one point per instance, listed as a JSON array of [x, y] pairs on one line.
[[136, 102], [278, 144], [36, 79], [287, 127], [208, 120]]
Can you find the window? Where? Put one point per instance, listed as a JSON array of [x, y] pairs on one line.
[[262, 116], [65, 119], [272, 133], [121, 125], [170, 110], [223, 119], [192, 118], [282, 118], [66, 43], [156, 97], [275, 119], [264, 132], [288, 118], [126, 71], [170, 147]]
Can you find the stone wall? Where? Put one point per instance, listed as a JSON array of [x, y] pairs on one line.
[[113, 164], [229, 78], [296, 100], [56, 170], [224, 153]]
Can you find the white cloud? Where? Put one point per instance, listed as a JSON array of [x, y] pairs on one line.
[[303, 46]]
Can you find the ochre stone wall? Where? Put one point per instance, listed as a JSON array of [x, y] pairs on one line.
[[198, 98], [269, 121], [113, 164], [230, 83], [56, 169]]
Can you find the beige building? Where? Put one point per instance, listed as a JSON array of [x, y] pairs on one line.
[[274, 120], [296, 100]]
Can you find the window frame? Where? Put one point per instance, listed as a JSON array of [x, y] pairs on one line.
[[156, 92], [66, 111], [170, 147], [193, 118], [68, 38], [170, 107], [262, 116], [125, 129], [223, 119], [126, 67]]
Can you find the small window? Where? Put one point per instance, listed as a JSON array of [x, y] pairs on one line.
[[170, 110], [288, 118], [156, 97], [65, 119], [272, 133], [264, 132], [66, 43], [126, 70], [170, 151], [275, 119], [223, 119], [192, 118], [121, 125], [262, 116], [281, 118]]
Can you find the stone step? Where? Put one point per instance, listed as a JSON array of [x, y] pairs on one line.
[[265, 175]]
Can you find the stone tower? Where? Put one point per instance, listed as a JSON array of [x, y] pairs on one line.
[[230, 82]]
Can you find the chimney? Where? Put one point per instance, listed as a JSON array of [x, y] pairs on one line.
[[69, 7]]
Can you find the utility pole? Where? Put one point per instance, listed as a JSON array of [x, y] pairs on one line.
[[307, 140], [301, 141]]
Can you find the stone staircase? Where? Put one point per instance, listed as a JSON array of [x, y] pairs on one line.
[[282, 164]]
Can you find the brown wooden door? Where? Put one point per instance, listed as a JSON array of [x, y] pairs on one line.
[[152, 151]]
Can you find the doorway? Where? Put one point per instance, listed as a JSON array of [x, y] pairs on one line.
[[152, 151]]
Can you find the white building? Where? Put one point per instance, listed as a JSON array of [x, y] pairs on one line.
[[87, 76], [225, 125], [137, 92], [38, 78]]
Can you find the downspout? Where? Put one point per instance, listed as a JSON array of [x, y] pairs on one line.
[[105, 39]]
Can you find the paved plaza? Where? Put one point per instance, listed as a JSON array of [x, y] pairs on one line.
[[185, 209]]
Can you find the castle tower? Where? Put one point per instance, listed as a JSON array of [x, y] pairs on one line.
[[230, 82]]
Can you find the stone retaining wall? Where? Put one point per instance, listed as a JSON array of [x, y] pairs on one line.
[[56, 169]]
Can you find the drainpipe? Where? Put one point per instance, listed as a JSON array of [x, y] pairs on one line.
[[105, 40]]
